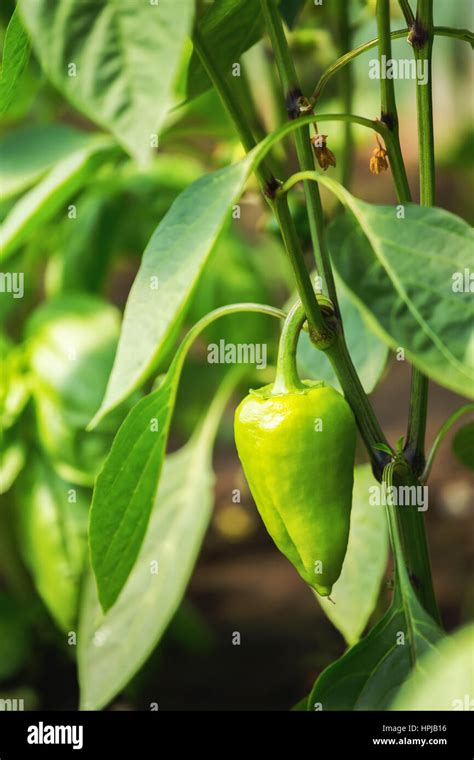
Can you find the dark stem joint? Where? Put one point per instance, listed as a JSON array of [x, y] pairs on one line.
[[418, 35], [271, 187], [293, 103], [388, 119], [415, 459], [380, 459]]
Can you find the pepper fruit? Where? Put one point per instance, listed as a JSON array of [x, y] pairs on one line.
[[296, 443]]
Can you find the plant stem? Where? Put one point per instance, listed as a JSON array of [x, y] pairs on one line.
[[369, 428], [417, 416], [411, 525], [445, 427], [388, 106], [269, 186], [286, 379], [410, 520], [407, 12], [293, 94], [421, 36], [303, 280], [408, 538], [422, 46], [345, 43], [414, 448]]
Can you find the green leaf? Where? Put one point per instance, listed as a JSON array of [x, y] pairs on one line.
[[51, 194], [400, 444], [16, 51], [369, 675], [155, 587], [444, 679], [71, 341], [52, 516], [289, 10], [70, 344], [126, 487], [368, 352], [356, 591], [28, 153], [383, 447], [402, 272], [463, 445], [165, 281], [228, 29], [84, 256], [126, 57]]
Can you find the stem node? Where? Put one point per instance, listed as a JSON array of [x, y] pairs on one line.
[[293, 103], [418, 36], [271, 187]]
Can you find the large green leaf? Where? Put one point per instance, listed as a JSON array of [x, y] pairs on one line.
[[444, 679], [400, 272], [28, 153], [126, 487], [172, 264], [126, 57], [153, 591], [228, 28], [367, 351], [355, 593], [16, 51], [52, 517], [40, 203]]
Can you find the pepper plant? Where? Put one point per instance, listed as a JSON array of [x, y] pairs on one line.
[[108, 525]]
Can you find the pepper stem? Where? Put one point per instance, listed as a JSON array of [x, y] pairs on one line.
[[286, 379]]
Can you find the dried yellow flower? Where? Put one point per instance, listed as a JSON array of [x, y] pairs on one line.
[[325, 156], [378, 160]]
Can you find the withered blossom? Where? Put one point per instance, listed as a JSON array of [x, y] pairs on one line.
[[378, 160], [325, 156]]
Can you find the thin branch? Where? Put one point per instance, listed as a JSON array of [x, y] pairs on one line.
[[442, 31]]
